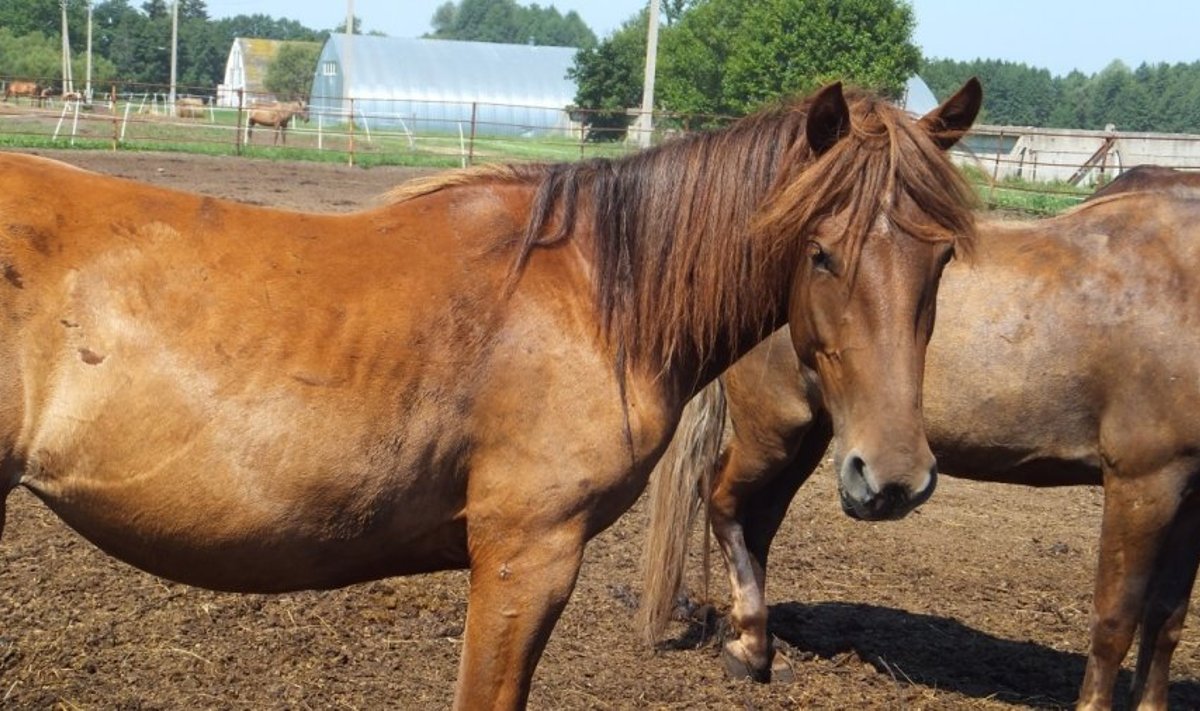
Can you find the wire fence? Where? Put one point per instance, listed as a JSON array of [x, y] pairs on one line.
[[1036, 170], [364, 131]]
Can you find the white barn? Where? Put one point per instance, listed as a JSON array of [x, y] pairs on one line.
[[246, 70]]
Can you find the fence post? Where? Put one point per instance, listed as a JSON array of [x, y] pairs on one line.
[[995, 170], [351, 117], [237, 128], [112, 101], [1104, 158], [471, 145]]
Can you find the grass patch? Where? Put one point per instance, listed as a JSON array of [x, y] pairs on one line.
[[1019, 195]]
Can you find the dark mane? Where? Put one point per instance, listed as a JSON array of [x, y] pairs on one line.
[[695, 239]]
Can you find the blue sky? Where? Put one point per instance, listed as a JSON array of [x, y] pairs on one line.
[[1059, 35]]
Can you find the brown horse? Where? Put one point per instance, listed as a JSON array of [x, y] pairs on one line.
[[480, 374], [276, 116], [30, 89], [1066, 353], [1149, 177]]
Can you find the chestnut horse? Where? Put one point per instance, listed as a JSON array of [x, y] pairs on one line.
[[480, 374], [1066, 353], [17, 89], [276, 116]]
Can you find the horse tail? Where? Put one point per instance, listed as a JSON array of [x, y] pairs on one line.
[[682, 476]]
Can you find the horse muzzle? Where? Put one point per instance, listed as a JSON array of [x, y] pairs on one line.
[[864, 499]]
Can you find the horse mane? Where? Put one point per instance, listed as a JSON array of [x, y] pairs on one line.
[[484, 173], [694, 239]]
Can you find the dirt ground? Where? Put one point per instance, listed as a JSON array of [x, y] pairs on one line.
[[979, 600]]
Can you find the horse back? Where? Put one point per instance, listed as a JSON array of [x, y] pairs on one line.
[[92, 265], [1065, 334], [1150, 178]]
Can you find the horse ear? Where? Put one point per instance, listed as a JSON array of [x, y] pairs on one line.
[[949, 122], [828, 118]]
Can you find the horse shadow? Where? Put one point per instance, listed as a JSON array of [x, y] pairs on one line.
[[943, 653]]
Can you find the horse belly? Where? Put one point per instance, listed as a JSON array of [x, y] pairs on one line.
[[250, 494], [1012, 427], [246, 534]]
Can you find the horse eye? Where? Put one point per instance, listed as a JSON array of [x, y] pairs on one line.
[[821, 260]]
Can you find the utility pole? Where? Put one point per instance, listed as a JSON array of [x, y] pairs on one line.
[[346, 52], [87, 87], [174, 53], [645, 123], [67, 84], [346, 89]]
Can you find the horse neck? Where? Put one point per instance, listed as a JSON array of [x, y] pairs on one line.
[[672, 302], [684, 283]]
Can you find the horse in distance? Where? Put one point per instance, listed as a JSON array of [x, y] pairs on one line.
[[1064, 354], [29, 89], [276, 116], [479, 374]]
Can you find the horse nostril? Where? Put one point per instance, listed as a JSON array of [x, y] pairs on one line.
[[890, 500], [855, 491], [922, 494]]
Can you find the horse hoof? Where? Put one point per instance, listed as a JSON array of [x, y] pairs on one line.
[[738, 668], [782, 669]]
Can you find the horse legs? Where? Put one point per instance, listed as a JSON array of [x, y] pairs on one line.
[[1166, 608], [1137, 515], [748, 504], [521, 579]]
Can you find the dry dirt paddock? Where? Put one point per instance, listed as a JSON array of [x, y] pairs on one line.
[[977, 601]]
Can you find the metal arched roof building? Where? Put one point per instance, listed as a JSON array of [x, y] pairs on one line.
[[437, 85]]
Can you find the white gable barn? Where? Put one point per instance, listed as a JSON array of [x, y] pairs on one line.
[[431, 85], [246, 70]]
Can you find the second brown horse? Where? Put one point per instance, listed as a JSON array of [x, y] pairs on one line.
[[1066, 353]]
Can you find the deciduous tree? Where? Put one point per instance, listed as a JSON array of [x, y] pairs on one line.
[[290, 75], [731, 56], [609, 77]]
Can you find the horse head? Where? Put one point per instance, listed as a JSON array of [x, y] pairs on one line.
[[862, 304]]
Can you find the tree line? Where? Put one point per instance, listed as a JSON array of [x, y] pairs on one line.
[[130, 44], [1152, 97], [133, 44], [507, 22], [716, 58], [729, 57]]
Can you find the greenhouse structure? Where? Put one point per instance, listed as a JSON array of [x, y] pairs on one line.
[[443, 86]]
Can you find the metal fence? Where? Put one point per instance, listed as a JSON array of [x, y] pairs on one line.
[[369, 131], [1057, 167]]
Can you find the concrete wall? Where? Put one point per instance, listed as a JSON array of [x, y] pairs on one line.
[[1044, 155]]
